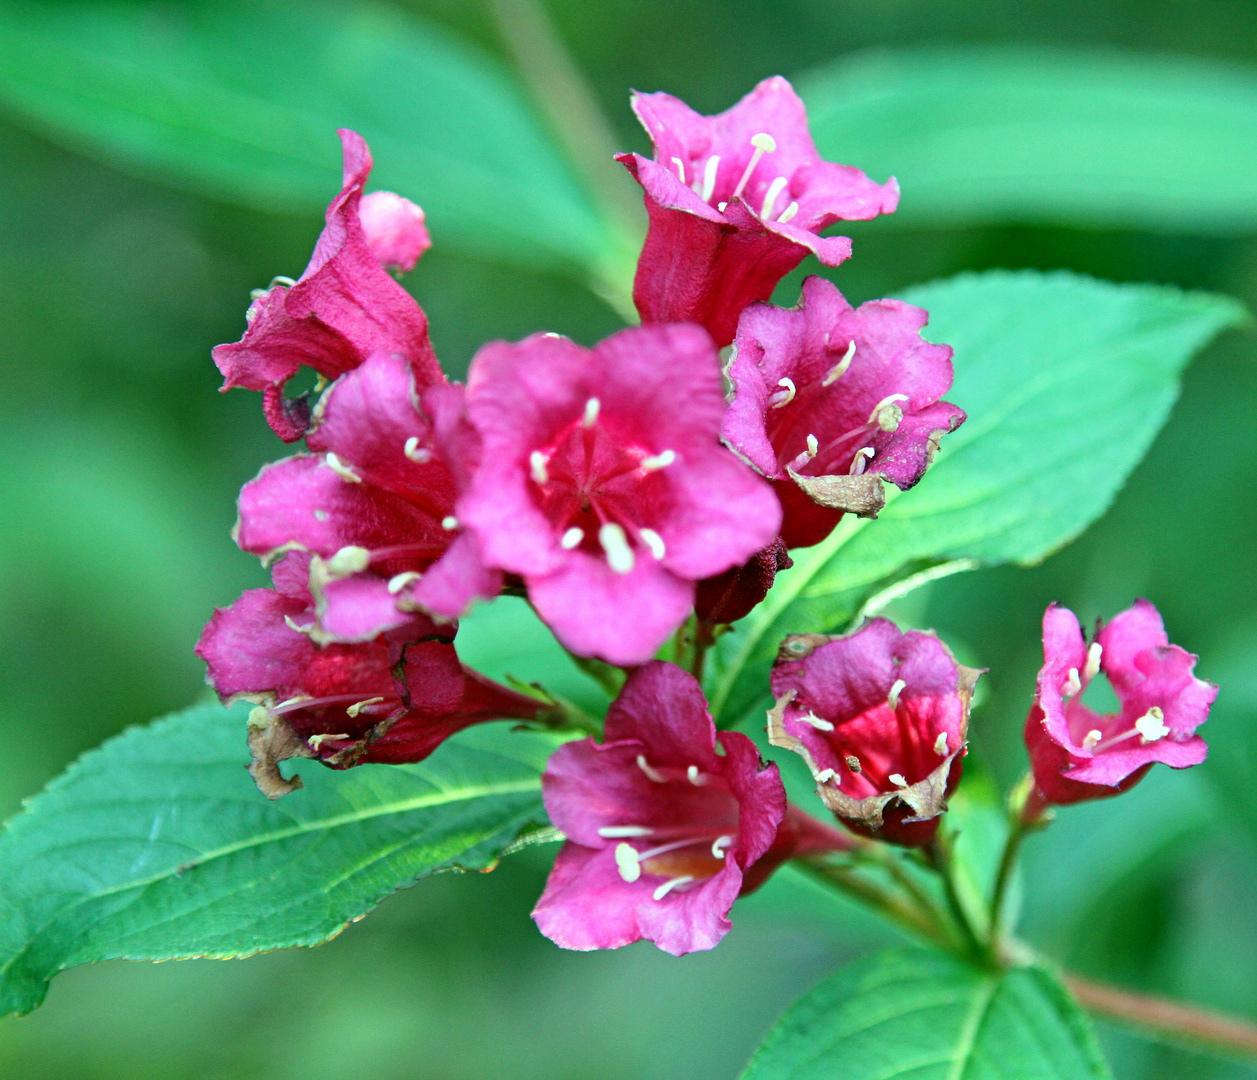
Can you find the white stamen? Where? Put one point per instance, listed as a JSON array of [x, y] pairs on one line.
[[316, 741], [813, 447], [399, 581], [653, 541], [694, 776], [764, 144], [320, 515], [817, 722], [840, 369], [668, 886], [940, 744], [680, 168], [651, 773], [861, 460], [341, 469], [615, 544], [897, 688], [719, 844], [721, 206], [348, 560], [1151, 726], [592, 407], [358, 706], [709, 178], [659, 461], [1091, 738], [770, 197], [825, 775], [627, 863], [1092, 667], [449, 523], [551, 334], [898, 780], [615, 832], [788, 213], [291, 623], [1073, 684], [537, 467], [416, 453], [571, 538], [783, 398], [875, 416]]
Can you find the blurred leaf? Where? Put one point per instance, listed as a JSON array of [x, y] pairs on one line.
[[1065, 380], [1232, 730], [1091, 137], [157, 845], [910, 1013], [240, 101]]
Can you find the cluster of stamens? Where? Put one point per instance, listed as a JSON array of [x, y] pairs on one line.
[[579, 491], [1150, 727], [703, 181]]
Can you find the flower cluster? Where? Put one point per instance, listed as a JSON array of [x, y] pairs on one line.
[[632, 490]]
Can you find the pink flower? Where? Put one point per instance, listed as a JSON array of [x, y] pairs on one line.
[[661, 828], [881, 719], [391, 699], [603, 484], [374, 504], [829, 401], [343, 308], [735, 203], [1079, 754], [394, 230]]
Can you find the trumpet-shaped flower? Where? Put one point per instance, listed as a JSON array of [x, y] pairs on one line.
[[831, 400], [1079, 754], [735, 202]]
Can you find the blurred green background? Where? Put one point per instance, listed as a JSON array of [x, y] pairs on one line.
[[121, 463]]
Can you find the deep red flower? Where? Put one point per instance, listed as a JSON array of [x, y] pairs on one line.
[[881, 719], [602, 482], [374, 504], [1079, 754], [392, 699], [831, 400], [735, 203], [345, 305], [732, 595], [661, 828]]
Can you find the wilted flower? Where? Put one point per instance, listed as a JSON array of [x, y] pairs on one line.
[[829, 400], [881, 719]]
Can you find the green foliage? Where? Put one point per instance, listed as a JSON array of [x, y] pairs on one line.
[[240, 101], [1058, 416], [157, 845], [909, 1013], [1089, 137]]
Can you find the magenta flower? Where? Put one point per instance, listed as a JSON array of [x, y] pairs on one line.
[[881, 719], [374, 504], [661, 828], [1078, 754], [603, 484], [736, 201], [829, 401], [345, 305], [393, 699]]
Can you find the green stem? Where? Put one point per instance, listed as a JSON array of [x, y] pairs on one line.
[[939, 857], [1026, 811], [895, 908]]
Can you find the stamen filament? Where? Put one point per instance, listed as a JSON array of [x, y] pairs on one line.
[[613, 832], [341, 469], [680, 168], [817, 722], [840, 369], [668, 886], [651, 773], [897, 688], [788, 213], [782, 398], [764, 144], [709, 178], [770, 197]]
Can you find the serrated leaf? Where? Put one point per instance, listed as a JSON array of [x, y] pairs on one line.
[[925, 1015], [240, 101], [157, 845], [1065, 379], [1093, 137]]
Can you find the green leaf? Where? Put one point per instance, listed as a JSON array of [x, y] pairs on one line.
[[241, 100], [1065, 379], [925, 1015], [157, 846], [1091, 137]]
